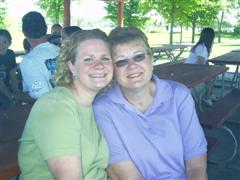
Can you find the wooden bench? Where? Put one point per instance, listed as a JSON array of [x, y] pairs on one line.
[[12, 122], [212, 144], [8, 160], [215, 116]]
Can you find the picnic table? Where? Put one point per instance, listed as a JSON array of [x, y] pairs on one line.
[[173, 52], [230, 58]]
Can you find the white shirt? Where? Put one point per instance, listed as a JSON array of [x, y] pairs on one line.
[[200, 50], [37, 69]]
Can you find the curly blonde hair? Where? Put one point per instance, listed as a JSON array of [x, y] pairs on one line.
[[68, 52]]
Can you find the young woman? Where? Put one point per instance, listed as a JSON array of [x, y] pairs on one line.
[[199, 55], [61, 139]]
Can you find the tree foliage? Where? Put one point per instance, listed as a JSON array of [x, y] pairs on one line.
[[2, 13], [134, 12], [53, 8]]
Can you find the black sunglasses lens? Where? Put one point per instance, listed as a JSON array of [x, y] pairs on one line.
[[139, 57], [121, 63]]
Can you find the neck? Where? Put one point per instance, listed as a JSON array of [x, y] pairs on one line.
[[84, 97], [140, 98], [34, 42]]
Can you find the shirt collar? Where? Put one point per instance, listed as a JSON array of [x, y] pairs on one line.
[[163, 92]]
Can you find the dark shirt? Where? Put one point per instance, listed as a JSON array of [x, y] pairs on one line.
[[7, 63]]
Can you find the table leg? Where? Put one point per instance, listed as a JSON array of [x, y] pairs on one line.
[[235, 76], [170, 56], [198, 93], [223, 84], [179, 54]]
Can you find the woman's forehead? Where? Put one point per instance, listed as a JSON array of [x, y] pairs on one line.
[[137, 44]]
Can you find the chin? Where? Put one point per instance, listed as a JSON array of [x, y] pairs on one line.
[[98, 87]]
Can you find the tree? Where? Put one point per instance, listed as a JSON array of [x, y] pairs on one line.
[[2, 13], [54, 9], [134, 12], [226, 7], [202, 14], [171, 10]]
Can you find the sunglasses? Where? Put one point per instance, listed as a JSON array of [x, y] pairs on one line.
[[136, 58]]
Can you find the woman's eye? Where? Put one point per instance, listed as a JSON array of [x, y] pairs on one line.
[[121, 63], [88, 59], [139, 57]]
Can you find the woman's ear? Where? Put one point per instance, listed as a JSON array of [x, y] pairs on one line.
[[72, 67]]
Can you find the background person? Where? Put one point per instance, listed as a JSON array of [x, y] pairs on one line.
[[68, 31], [26, 46], [56, 29], [8, 66], [61, 139], [150, 124], [38, 66], [55, 36], [199, 54]]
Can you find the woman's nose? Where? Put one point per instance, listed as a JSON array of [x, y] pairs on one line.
[[131, 63], [99, 64]]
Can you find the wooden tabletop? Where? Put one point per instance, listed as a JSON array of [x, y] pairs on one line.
[[189, 74], [232, 58]]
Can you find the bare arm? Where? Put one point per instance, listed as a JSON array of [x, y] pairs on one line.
[[196, 168], [125, 170], [14, 82], [201, 60], [4, 90], [67, 167]]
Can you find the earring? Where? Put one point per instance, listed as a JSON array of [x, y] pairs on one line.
[[74, 76]]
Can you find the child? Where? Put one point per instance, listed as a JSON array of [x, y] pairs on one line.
[[8, 65]]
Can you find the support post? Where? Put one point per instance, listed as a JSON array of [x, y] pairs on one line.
[[120, 13], [67, 14]]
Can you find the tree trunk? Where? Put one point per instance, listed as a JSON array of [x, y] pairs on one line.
[[172, 24], [220, 27], [193, 30], [67, 13], [181, 27]]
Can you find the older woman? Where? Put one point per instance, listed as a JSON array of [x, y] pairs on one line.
[[150, 124], [61, 139]]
